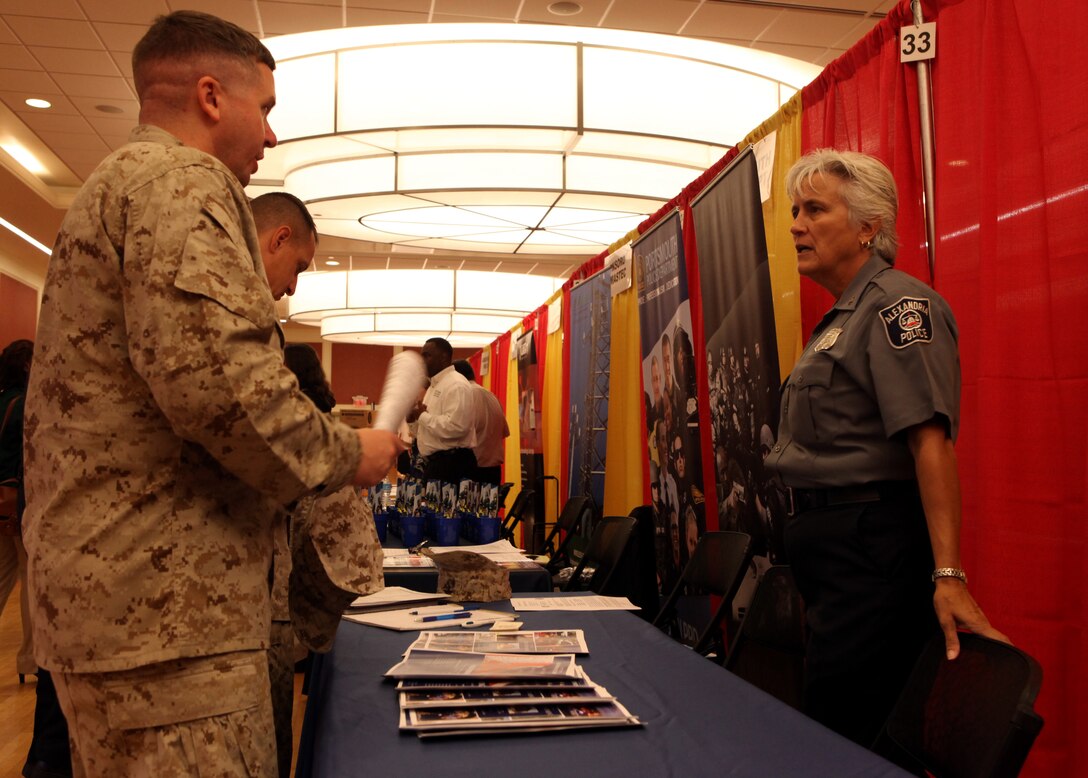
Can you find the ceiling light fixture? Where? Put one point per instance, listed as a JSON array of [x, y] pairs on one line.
[[37, 102], [565, 8], [470, 308], [516, 139], [24, 158], [31, 240]]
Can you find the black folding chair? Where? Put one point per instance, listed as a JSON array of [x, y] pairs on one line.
[[504, 490], [643, 563], [768, 650], [716, 567], [523, 503], [970, 717], [601, 567], [556, 546]]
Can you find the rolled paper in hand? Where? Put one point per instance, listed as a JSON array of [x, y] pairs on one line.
[[403, 381]]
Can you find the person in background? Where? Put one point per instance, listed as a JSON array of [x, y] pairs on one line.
[[163, 430], [868, 419], [446, 431], [14, 376], [49, 755], [492, 429], [342, 526], [288, 239]]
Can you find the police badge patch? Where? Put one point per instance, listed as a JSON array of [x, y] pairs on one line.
[[827, 340], [907, 322]]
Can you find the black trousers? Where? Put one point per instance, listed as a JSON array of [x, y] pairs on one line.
[[863, 570], [488, 475], [49, 755], [450, 465]]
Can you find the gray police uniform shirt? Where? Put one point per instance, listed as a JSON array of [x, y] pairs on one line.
[[883, 359], [163, 430]]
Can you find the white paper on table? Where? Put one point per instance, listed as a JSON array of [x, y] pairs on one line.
[[408, 561], [403, 382], [497, 547], [502, 548], [394, 595], [404, 620], [594, 602]]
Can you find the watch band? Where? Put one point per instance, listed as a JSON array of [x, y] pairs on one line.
[[949, 572]]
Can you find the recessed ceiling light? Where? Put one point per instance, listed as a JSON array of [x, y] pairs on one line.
[[37, 102], [565, 8], [331, 262], [105, 108], [24, 158]]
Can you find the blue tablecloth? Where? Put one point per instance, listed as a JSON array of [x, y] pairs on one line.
[[700, 719]]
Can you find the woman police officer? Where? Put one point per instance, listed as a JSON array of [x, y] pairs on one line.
[[868, 419]]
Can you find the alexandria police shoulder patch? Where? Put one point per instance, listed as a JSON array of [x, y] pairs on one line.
[[907, 322]]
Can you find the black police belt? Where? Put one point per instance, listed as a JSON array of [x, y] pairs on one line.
[[802, 500]]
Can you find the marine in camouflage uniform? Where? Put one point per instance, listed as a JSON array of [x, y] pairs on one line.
[[163, 433], [340, 557]]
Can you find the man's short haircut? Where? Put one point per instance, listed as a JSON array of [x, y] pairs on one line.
[[442, 345], [464, 368], [189, 36], [273, 209]]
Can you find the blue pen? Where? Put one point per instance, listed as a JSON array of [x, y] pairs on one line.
[[447, 616]]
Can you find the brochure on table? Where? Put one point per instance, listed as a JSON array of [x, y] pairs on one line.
[[448, 686]]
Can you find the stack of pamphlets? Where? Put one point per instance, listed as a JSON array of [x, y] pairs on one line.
[[472, 683], [501, 551]]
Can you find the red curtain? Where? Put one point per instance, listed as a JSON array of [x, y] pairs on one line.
[[866, 101], [500, 364], [537, 321], [1011, 114], [702, 380]]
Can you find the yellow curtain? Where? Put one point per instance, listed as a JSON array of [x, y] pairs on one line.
[[626, 443], [513, 419], [552, 417], [785, 282]]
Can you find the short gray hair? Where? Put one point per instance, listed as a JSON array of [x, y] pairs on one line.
[[868, 190]]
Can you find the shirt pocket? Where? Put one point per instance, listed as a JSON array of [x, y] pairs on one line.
[[810, 400], [217, 265]]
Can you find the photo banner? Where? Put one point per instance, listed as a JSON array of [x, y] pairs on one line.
[[531, 438], [741, 354], [668, 378], [590, 339]]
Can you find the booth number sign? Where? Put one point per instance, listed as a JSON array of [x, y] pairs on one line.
[[918, 43]]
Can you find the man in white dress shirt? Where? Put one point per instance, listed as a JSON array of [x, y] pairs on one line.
[[491, 428], [446, 432]]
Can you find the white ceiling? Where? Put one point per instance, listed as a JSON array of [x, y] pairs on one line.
[[75, 53]]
